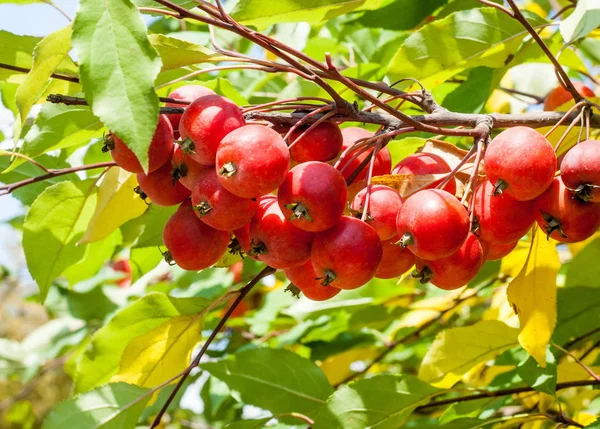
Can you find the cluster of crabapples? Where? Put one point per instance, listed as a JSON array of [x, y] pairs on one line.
[[242, 187]]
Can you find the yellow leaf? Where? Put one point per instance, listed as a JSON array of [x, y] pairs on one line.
[[498, 102], [337, 367], [585, 419], [500, 309], [512, 264], [407, 184], [532, 294], [117, 203], [162, 353], [455, 351], [482, 375]]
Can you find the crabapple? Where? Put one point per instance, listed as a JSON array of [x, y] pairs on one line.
[[559, 95], [252, 161], [191, 243], [580, 170], [313, 196], [159, 151], [185, 169], [123, 266], [275, 241], [501, 219], [384, 205], [395, 260], [494, 251], [185, 93], [205, 122], [304, 278], [432, 223], [219, 208], [383, 160], [426, 163], [565, 217], [348, 255], [160, 187], [520, 162], [453, 271], [322, 143]]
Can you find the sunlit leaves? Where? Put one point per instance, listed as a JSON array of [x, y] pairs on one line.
[[455, 351], [114, 406], [584, 19], [176, 53], [52, 228], [532, 295], [118, 66]]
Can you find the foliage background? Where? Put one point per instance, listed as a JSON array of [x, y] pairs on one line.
[[285, 355]]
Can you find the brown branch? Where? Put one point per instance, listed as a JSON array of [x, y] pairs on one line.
[[7, 189], [581, 338], [504, 392], [25, 70], [243, 292]]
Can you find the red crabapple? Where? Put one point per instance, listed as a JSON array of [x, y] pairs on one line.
[[395, 260], [159, 151], [322, 143], [383, 160], [192, 244], [559, 96], [275, 241], [501, 219], [185, 93], [305, 279], [565, 217], [205, 123], [185, 169], [580, 170], [160, 188], [520, 162], [432, 223], [494, 252], [252, 161], [453, 271], [384, 206], [313, 196], [426, 163], [348, 255], [219, 208]]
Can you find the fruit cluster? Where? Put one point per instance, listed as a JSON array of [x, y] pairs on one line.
[[223, 173]]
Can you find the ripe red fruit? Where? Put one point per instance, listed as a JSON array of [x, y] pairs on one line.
[[242, 235], [432, 223], [305, 279], [313, 196], [123, 266], [192, 244], [275, 241], [559, 96], [252, 161], [159, 151], [322, 143], [347, 255], [501, 219], [383, 160], [204, 124], [426, 163], [237, 269], [160, 188], [453, 271], [395, 260], [565, 217], [185, 93], [384, 206], [185, 169], [218, 207], [521, 163], [580, 170], [494, 252]]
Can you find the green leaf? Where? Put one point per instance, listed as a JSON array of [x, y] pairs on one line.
[[469, 38], [52, 228], [118, 66], [577, 313], [29, 193], [260, 375], [176, 53], [383, 402], [541, 379], [471, 95], [48, 54], [249, 424], [143, 260], [584, 19], [16, 51], [455, 351], [153, 222], [92, 305], [583, 270], [102, 358], [108, 407], [401, 14], [263, 13]]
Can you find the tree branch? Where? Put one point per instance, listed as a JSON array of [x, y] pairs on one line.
[[243, 292]]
